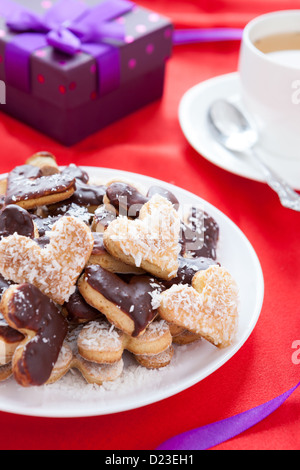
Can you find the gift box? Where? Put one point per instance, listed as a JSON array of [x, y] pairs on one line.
[[72, 68]]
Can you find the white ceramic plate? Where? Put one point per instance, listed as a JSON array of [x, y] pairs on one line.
[[193, 120], [72, 397]]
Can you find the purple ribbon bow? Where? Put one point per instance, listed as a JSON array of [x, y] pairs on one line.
[[69, 26]]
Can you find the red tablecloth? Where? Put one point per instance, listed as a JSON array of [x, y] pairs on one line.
[[151, 142]]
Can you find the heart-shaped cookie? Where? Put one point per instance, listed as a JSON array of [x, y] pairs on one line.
[[36, 316], [53, 269], [131, 305], [128, 200], [15, 219], [151, 241], [208, 308], [27, 187], [102, 258], [99, 342], [70, 359], [200, 235]]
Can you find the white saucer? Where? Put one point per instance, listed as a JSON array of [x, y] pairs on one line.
[[193, 120]]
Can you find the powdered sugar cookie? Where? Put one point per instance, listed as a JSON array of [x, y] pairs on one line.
[[186, 337], [93, 373], [208, 308], [151, 241], [98, 373], [101, 257], [155, 340], [101, 342], [182, 336], [53, 269], [156, 361]]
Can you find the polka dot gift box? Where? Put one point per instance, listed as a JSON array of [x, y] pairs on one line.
[[72, 67]]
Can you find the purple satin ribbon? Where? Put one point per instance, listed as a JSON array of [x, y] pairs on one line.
[[193, 36], [209, 436], [69, 26]]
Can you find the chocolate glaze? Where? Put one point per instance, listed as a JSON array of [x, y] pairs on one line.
[[76, 172], [31, 310], [85, 194], [99, 247], [42, 241], [188, 267], [26, 182], [9, 335], [67, 208], [44, 224], [165, 193], [104, 217], [78, 310], [200, 235], [133, 297], [88, 195], [14, 219], [25, 171], [127, 200]]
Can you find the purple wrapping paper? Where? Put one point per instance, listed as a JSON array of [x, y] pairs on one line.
[[72, 81], [70, 126]]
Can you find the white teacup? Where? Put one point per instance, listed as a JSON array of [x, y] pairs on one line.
[[271, 84]]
